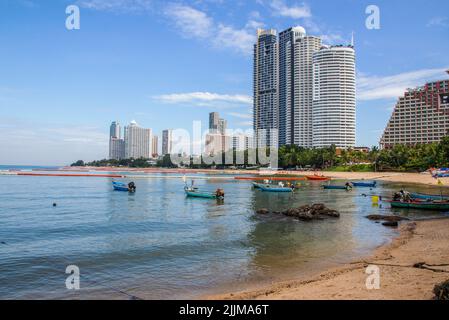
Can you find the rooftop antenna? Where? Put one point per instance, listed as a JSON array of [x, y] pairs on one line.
[[352, 41]]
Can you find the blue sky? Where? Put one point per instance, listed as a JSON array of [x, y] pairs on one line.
[[167, 63]]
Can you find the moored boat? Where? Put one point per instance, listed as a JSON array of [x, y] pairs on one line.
[[329, 187], [120, 186], [256, 185], [195, 193], [425, 205], [365, 184], [268, 188], [317, 178], [428, 196]]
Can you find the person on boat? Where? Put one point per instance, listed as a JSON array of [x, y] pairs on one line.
[[348, 186], [131, 187], [280, 184], [220, 193]]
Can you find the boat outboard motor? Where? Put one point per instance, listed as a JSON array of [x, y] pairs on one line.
[[132, 187]]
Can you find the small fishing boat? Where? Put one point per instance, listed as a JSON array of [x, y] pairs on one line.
[[365, 184], [120, 186], [256, 185], [425, 205], [317, 178], [428, 196], [269, 188], [195, 193], [329, 187]]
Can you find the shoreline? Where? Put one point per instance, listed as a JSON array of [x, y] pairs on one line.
[[394, 177], [417, 242]]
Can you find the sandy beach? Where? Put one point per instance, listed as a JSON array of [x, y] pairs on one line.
[[397, 177], [417, 242]]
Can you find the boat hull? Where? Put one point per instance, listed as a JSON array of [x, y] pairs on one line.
[[119, 188], [428, 196], [274, 189], [317, 178], [336, 188], [364, 184], [421, 205], [193, 194]]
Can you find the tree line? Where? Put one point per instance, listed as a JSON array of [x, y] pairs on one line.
[[398, 158]]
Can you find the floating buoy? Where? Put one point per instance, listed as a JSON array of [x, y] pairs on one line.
[[375, 199], [54, 204]]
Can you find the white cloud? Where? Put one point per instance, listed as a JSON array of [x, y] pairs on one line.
[[239, 39], [191, 22], [122, 6], [438, 22], [295, 12], [205, 99], [240, 115], [392, 87]]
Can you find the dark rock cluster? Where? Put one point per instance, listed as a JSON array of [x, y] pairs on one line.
[[441, 291], [306, 213], [389, 221]]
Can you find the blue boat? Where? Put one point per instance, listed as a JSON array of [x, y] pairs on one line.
[[329, 187], [120, 186], [256, 185], [365, 184], [268, 188], [423, 196]]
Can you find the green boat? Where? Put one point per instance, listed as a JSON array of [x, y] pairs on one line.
[[205, 195], [425, 205]]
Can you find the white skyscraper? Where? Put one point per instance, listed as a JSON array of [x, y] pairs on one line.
[[303, 90], [334, 90], [242, 142], [167, 141], [138, 142]]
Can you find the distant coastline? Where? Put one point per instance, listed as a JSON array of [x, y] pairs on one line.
[[394, 177]]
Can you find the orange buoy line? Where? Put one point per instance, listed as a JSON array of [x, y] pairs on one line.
[[69, 175], [271, 178]]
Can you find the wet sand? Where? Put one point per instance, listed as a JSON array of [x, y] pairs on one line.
[[417, 242]]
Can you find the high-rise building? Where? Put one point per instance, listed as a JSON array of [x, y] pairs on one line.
[[155, 147], [167, 142], [420, 116], [302, 128], [114, 131], [222, 126], [116, 144], [138, 141], [242, 142], [116, 149], [334, 104], [265, 109], [217, 143], [296, 86], [303, 89], [216, 124], [214, 121]]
